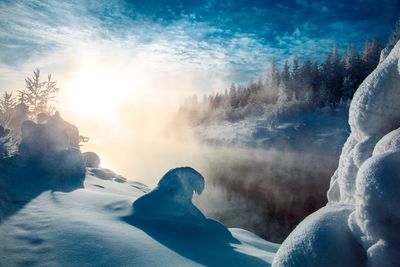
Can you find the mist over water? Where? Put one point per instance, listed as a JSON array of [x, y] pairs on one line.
[[263, 190]]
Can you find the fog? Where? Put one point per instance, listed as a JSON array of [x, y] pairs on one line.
[[266, 191]]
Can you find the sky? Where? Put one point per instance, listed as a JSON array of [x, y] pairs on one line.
[[124, 67], [212, 42]]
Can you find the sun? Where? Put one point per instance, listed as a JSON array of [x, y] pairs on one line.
[[98, 92]]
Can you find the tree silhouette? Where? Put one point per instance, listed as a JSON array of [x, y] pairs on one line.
[[7, 102], [38, 95]]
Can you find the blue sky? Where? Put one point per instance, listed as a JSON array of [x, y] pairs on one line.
[[226, 40]]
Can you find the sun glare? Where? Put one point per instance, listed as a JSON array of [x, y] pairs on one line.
[[98, 92]]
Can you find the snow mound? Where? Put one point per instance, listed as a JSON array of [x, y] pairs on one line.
[[94, 226], [173, 196], [374, 109], [168, 215], [375, 221], [322, 239], [388, 143], [374, 112], [366, 181]]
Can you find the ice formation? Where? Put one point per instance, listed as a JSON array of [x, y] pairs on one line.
[[364, 200]]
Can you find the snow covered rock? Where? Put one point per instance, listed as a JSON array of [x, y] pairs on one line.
[[169, 205], [92, 159], [389, 143], [367, 181], [384, 53], [322, 239], [173, 196], [377, 216], [54, 135], [374, 109], [374, 112]]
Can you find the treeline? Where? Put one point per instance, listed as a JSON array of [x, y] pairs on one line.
[[295, 85]]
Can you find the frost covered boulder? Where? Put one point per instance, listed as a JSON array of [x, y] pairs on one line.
[[172, 197], [92, 160], [322, 239], [51, 148], [376, 220], [168, 213], [367, 182], [53, 135], [374, 112], [375, 108]]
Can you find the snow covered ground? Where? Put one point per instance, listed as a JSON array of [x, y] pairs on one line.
[[94, 226], [312, 131]]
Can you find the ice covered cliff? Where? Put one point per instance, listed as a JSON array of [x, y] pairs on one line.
[[360, 226]]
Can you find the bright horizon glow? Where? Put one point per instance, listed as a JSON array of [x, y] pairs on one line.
[[98, 92]]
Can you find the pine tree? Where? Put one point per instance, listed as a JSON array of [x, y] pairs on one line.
[[38, 95], [294, 87], [274, 75], [33, 92], [395, 36], [7, 102], [48, 93], [285, 75], [371, 54]]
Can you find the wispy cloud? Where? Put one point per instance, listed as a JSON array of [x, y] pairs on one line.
[[230, 41]]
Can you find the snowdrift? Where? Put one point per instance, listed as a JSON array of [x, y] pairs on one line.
[[111, 221], [360, 226]]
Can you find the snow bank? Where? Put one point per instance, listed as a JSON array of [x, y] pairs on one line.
[[168, 215], [93, 226], [367, 181]]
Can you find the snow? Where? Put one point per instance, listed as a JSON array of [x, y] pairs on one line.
[[172, 197], [377, 198], [322, 239], [374, 112], [95, 226], [360, 225], [388, 143], [374, 109]]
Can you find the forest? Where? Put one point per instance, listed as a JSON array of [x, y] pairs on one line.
[[296, 86]]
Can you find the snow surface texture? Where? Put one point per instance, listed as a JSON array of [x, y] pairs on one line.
[[97, 225], [360, 226]]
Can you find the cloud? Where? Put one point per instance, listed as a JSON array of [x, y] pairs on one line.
[[231, 40]]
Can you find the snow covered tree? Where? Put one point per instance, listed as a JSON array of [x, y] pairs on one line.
[[6, 142], [371, 54], [274, 75], [7, 102], [395, 36]]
